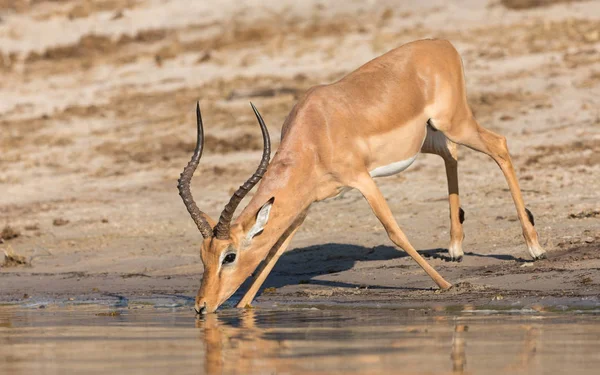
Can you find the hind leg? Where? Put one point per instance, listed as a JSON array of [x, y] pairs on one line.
[[457, 215], [468, 132], [436, 143]]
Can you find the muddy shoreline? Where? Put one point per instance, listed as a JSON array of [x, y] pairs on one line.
[[539, 286]]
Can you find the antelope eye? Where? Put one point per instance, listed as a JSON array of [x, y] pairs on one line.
[[229, 258]]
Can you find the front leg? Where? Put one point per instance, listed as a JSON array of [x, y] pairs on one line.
[[267, 265], [370, 191]]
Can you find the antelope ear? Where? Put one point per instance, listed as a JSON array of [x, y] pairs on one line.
[[261, 219]]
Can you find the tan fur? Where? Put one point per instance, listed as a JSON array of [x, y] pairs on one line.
[[337, 133]]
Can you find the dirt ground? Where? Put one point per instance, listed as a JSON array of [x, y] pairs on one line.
[[97, 121]]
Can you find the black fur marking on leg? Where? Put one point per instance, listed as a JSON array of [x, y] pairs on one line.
[[530, 216], [461, 215], [431, 125]]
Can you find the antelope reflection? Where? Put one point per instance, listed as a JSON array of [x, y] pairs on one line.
[[239, 345], [523, 360], [238, 349], [458, 354], [528, 348]]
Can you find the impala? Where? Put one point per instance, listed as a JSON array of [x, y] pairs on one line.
[[371, 123]]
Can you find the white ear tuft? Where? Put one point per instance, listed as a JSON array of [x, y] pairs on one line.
[[261, 220]]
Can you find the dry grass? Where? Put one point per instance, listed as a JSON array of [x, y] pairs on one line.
[[585, 214], [528, 4], [581, 57], [530, 37], [167, 147], [11, 259], [486, 103], [270, 32], [93, 46], [59, 222], [158, 126], [578, 153], [85, 8], [8, 233], [77, 8]]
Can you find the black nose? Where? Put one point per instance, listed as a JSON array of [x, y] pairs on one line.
[[202, 310]]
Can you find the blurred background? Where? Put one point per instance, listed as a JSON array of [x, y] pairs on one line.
[[97, 121]]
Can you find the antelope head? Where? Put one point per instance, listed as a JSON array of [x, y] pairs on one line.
[[225, 250]]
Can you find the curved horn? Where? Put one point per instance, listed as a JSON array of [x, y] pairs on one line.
[[222, 228], [183, 184]]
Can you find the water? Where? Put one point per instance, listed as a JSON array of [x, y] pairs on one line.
[[150, 340]]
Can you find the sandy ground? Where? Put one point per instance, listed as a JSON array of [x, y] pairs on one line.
[[97, 120]]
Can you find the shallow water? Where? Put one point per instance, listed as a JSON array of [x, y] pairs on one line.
[[148, 340]]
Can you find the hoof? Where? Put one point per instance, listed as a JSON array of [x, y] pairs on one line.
[[540, 257], [458, 259]]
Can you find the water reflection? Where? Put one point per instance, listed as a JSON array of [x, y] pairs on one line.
[[240, 344], [234, 347], [528, 351], [458, 355], [342, 341]]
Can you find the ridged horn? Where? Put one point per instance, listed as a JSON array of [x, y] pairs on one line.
[[183, 184], [223, 226]]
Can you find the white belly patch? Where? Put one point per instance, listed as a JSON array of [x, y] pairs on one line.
[[391, 169]]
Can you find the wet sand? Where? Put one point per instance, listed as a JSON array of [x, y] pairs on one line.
[[96, 120]]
